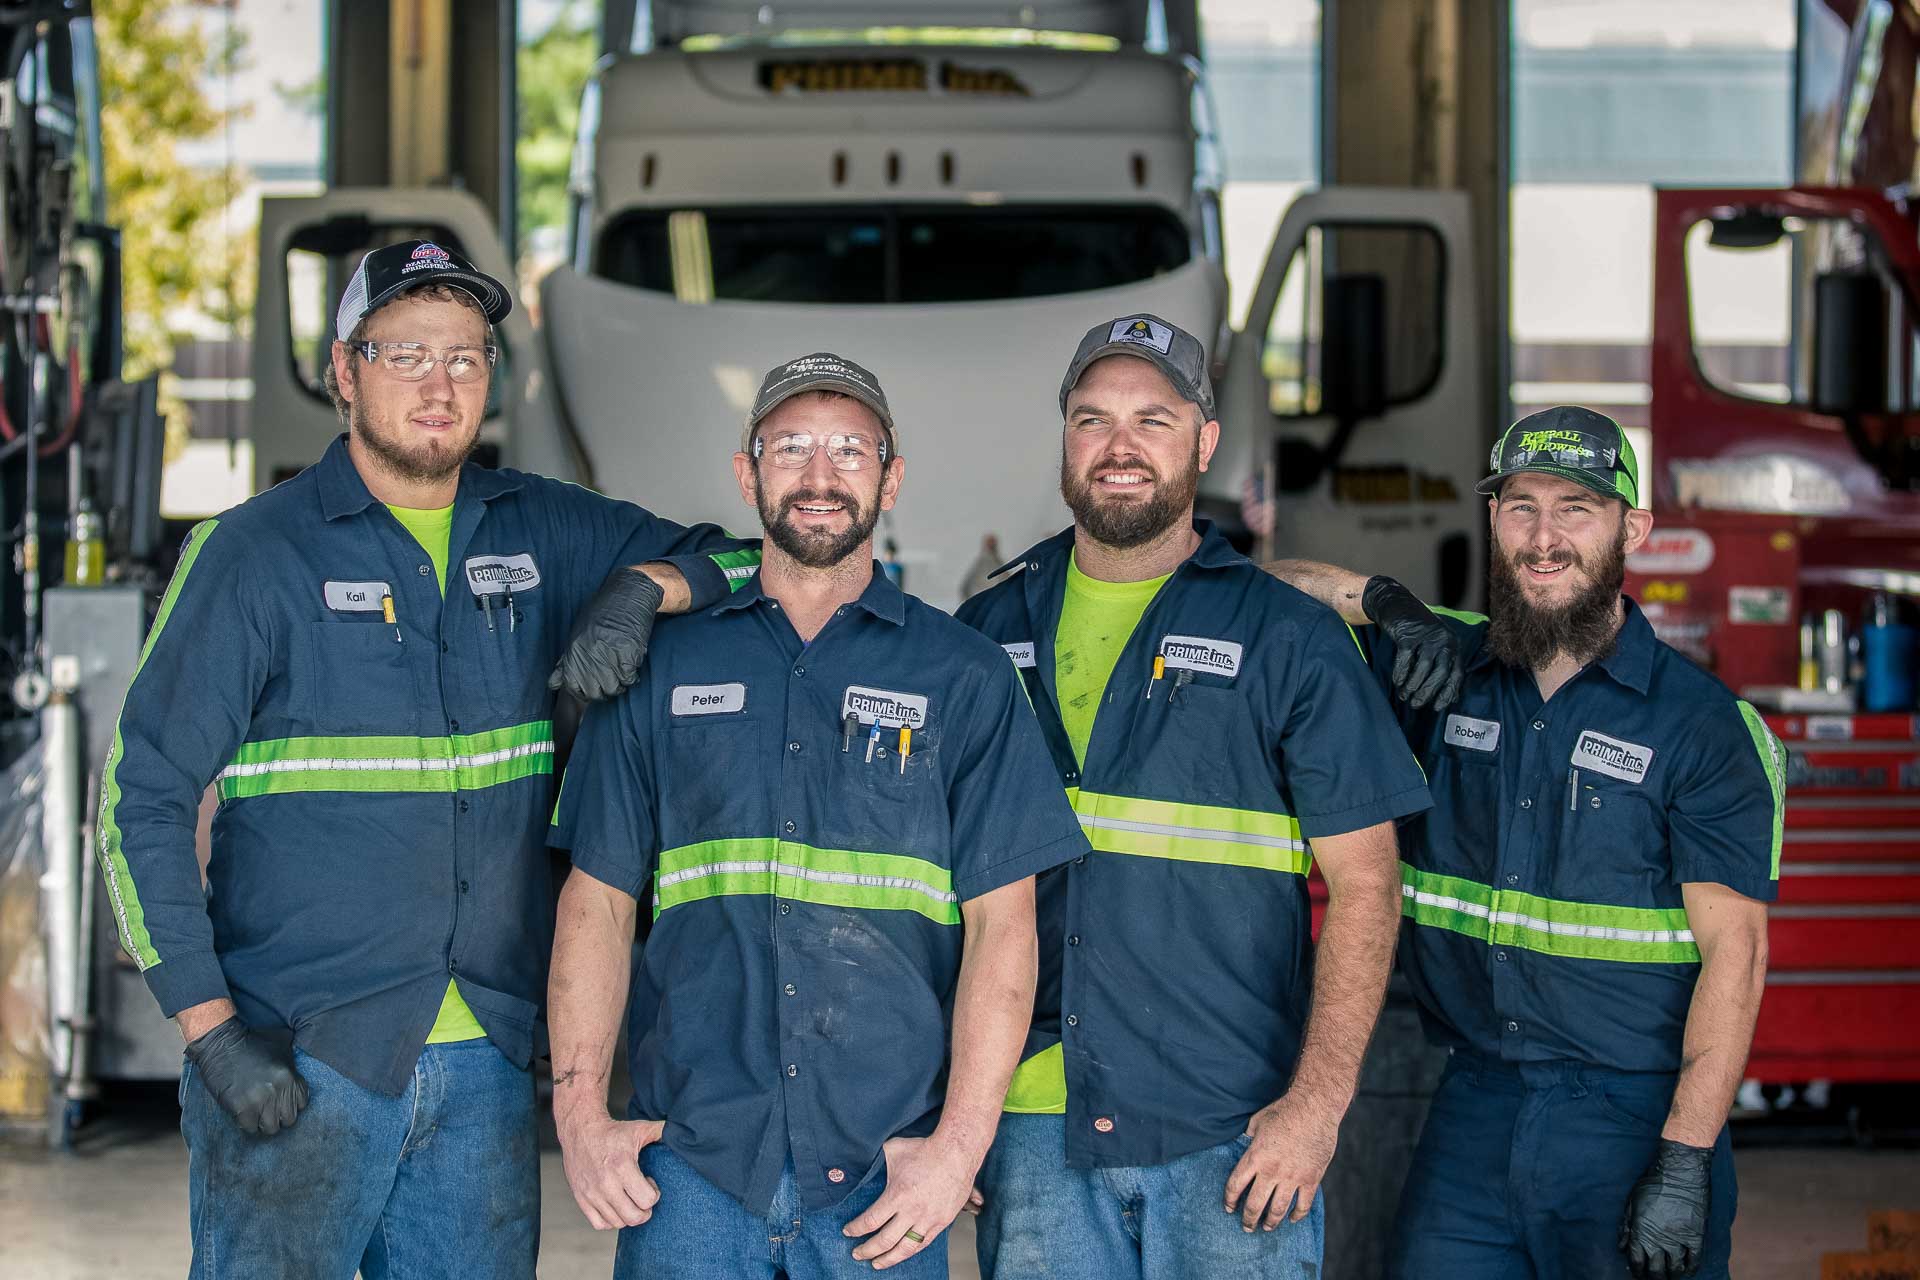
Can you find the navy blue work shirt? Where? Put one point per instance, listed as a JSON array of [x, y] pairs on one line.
[[1175, 962], [384, 787], [1542, 916], [793, 997]]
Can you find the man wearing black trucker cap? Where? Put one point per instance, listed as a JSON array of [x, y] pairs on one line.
[[1584, 919], [359, 660]]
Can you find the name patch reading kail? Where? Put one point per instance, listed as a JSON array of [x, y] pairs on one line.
[[1199, 654], [709, 699], [356, 597], [1626, 761], [1475, 735], [493, 575], [885, 707], [1022, 653]]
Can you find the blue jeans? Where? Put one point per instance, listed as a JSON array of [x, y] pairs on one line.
[[699, 1232], [1154, 1222], [442, 1181], [1523, 1171]]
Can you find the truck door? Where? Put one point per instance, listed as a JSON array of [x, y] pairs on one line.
[[1353, 419], [309, 246]]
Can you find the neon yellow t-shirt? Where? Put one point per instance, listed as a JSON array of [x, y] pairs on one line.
[[432, 530], [1096, 621]]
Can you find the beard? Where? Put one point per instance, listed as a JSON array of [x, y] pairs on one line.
[[1523, 634], [414, 461], [817, 548], [1122, 523]]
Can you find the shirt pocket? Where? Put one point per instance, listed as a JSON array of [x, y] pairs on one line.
[[357, 679], [880, 805], [1202, 741], [1613, 845], [710, 762], [1467, 810], [512, 657]]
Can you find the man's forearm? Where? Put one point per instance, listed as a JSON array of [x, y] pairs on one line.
[[1726, 1001], [586, 992], [1353, 961], [992, 1008], [676, 595], [1339, 589]]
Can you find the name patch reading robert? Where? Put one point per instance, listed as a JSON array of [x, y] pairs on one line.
[[1022, 653], [885, 707], [1475, 735], [709, 699], [1626, 761], [1197, 653], [493, 575], [356, 597]]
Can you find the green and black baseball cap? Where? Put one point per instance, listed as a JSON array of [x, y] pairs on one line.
[[1573, 443]]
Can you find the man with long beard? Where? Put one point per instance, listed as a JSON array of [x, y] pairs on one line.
[[360, 658], [1180, 1093], [1585, 918], [834, 800]]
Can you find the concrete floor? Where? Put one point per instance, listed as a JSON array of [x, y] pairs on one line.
[[118, 1211]]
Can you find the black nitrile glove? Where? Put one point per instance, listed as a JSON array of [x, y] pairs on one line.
[[1665, 1230], [610, 636], [1427, 669], [251, 1076]]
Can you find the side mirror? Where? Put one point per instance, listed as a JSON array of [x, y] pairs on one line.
[[1849, 343], [1747, 229], [1353, 382]]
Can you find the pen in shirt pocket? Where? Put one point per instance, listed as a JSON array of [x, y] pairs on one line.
[[1573, 791]]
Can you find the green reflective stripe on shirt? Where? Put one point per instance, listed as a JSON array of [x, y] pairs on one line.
[[113, 859], [788, 869], [461, 762], [1461, 614], [738, 566], [1577, 930], [1773, 758], [1192, 832]]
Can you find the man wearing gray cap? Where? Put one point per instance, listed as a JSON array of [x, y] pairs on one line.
[[359, 661], [834, 800], [1188, 1064]]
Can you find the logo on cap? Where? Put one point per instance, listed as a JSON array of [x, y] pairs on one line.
[[430, 250], [1143, 331]]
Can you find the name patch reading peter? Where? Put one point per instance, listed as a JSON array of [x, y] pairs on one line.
[[1475, 735], [709, 699], [1199, 654], [1626, 761], [356, 597], [493, 575], [885, 707]]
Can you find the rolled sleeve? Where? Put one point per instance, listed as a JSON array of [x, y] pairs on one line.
[[1345, 761], [1009, 814], [605, 816], [1727, 817]]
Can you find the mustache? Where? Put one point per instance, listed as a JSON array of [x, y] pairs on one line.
[[802, 496], [1112, 463]]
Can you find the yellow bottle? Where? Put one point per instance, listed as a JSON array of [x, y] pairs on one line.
[[86, 549]]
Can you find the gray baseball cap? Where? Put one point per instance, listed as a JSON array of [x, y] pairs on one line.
[[821, 371], [1173, 350]]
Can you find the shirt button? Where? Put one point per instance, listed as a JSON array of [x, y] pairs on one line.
[[792, 1071], [836, 1175], [1539, 724], [799, 671], [1073, 777], [1033, 565], [791, 990], [443, 646], [794, 747], [1513, 1026], [1072, 1021], [787, 826], [463, 886], [1074, 941], [1513, 879], [1080, 861], [841, 612], [785, 907], [1501, 956], [464, 806], [1595, 802], [425, 569], [455, 724], [1526, 804]]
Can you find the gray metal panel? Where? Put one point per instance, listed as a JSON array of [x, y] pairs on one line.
[[104, 627]]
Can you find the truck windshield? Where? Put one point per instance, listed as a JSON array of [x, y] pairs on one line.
[[852, 254]]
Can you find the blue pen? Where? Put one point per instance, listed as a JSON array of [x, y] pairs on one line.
[[873, 740]]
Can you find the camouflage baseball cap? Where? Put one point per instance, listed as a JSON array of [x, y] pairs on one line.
[[1573, 443]]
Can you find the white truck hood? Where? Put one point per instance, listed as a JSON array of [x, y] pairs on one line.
[[657, 390]]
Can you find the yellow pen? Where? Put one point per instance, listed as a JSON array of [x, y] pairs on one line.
[[906, 743], [1159, 669], [386, 611]]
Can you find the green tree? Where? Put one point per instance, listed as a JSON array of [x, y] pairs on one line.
[[552, 69], [184, 253]]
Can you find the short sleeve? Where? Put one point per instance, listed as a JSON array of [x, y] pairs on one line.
[[605, 815], [1727, 817], [1344, 759], [1008, 810]]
